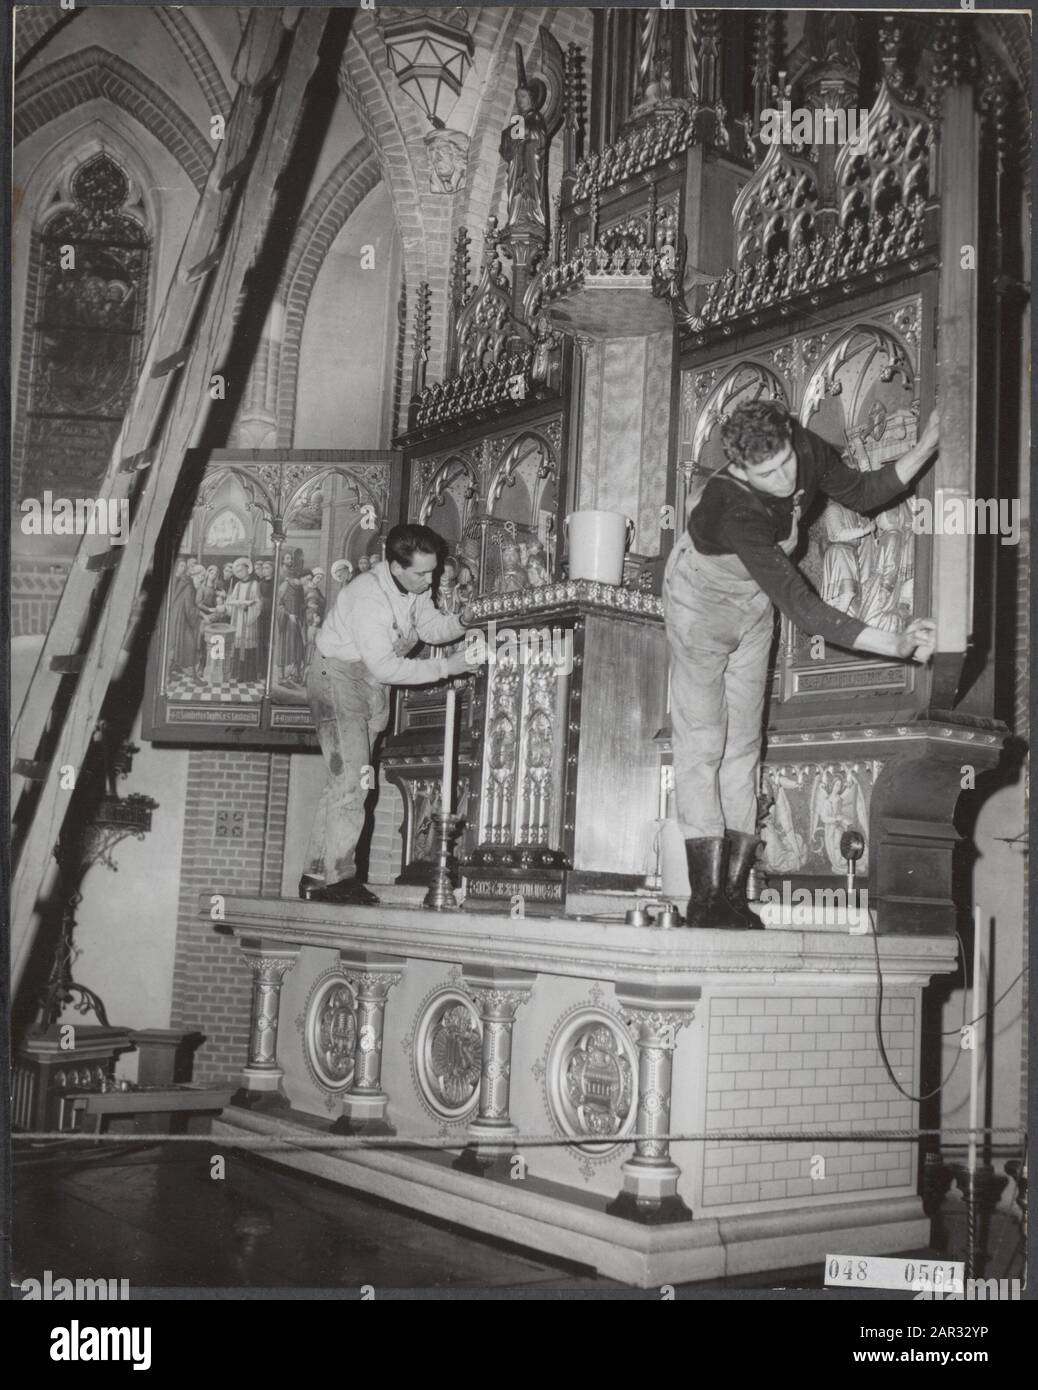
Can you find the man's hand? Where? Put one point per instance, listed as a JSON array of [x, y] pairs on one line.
[[918, 640], [931, 435], [458, 664], [908, 465]]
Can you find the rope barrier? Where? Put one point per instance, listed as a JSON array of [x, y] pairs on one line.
[[296, 1140]]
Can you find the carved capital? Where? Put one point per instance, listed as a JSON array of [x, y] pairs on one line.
[[269, 969], [498, 1005], [372, 984], [656, 1028]]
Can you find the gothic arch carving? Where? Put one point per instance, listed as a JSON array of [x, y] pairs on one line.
[[364, 77], [95, 73], [863, 338], [196, 54], [342, 192]]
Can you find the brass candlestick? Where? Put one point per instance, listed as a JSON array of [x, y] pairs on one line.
[[440, 897]]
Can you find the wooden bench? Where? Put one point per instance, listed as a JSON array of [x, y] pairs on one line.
[[87, 1111]]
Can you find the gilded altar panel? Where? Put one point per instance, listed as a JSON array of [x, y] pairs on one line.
[[859, 379]]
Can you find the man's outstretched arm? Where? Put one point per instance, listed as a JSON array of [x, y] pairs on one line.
[[870, 491]]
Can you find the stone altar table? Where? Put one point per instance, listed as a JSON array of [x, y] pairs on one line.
[[546, 1060]]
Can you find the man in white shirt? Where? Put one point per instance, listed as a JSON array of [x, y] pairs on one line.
[[361, 650]]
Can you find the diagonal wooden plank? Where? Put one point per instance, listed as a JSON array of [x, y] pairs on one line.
[[181, 430], [139, 424], [203, 248]]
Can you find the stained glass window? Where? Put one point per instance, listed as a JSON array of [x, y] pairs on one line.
[[89, 320]]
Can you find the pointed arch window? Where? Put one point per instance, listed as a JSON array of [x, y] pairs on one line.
[[89, 316]]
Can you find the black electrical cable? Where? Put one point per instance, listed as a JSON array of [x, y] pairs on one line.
[[879, 1026], [950, 1032]]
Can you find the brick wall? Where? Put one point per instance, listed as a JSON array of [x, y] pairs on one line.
[[234, 836], [36, 586], [809, 1064], [386, 846]]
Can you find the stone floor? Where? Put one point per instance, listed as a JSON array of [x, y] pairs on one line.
[[159, 1219]]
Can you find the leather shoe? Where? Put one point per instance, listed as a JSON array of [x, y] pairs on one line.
[[310, 888], [347, 890]]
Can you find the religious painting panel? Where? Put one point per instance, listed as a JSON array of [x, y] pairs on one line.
[[809, 807], [856, 380], [272, 539]]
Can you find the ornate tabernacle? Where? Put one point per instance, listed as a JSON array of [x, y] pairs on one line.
[[495, 498], [565, 786]]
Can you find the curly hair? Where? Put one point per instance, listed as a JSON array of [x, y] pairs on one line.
[[755, 431], [404, 541]]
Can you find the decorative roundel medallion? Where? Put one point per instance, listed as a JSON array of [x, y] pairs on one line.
[[448, 1041], [330, 1031], [590, 1079]]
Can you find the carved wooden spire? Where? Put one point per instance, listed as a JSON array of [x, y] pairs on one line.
[[422, 329], [460, 287], [574, 106]]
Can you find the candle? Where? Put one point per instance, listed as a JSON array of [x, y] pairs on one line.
[[447, 796], [976, 1009], [664, 789]]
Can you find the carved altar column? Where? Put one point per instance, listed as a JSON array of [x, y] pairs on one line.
[[261, 1077], [364, 1105], [650, 1190], [497, 995]]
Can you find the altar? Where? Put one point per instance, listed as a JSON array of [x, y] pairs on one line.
[[540, 1059], [524, 1078]]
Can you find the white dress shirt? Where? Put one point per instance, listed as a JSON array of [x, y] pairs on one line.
[[373, 622]]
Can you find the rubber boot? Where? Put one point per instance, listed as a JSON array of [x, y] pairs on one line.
[[708, 906], [742, 851]]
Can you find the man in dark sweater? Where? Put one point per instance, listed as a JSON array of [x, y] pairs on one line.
[[725, 577]]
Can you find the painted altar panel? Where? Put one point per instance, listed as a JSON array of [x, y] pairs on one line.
[[495, 501], [272, 538], [857, 379], [810, 806]]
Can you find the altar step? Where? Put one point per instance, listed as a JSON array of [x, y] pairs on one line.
[[556, 1220], [155, 1216]]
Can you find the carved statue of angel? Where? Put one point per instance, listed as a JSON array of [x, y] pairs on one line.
[[524, 141]]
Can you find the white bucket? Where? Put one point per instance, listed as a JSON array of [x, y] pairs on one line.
[[598, 542]]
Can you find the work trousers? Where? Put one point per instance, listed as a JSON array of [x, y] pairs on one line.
[[720, 625], [349, 709]]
